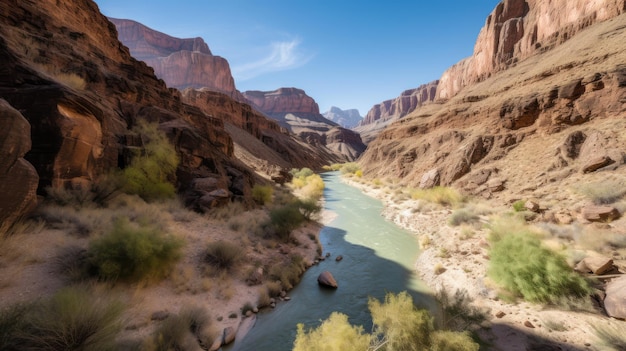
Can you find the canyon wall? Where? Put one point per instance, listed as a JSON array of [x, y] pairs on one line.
[[518, 29], [181, 63], [404, 104]]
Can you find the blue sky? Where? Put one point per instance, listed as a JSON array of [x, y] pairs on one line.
[[349, 54]]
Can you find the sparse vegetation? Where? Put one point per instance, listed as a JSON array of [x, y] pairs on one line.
[[262, 194], [519, 206], [398, 325], [151, 173], [441, 195], [605, 192], [223, 255], [133, 252], [462, 216], [75, 318], [457, 312], [188, 330], [522, 265], [307, 184], [611, 336]]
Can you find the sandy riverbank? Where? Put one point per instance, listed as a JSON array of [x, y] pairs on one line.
[[456, 258]]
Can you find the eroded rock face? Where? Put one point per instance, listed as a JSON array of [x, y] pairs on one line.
[[404, 104], [518, 29], [82, 93], [283, 100], [181, 63], [18, 178], [345, 118]]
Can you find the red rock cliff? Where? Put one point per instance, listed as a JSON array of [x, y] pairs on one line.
[[517, 29], [404, 104], [283, 100], [181, 63]]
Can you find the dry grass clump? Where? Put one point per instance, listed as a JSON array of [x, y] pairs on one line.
[[75, 318], [223, 254], [441, 195], [289, 272], [262, 194], [462, 216], [611, 336], [604, 192], [190, 329]]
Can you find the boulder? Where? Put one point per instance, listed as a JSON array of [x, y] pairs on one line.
[[600, 213], [597, 163], [430, 179], [615, 300], [326, 279], [532, 206], [596, 265], [18, 178]]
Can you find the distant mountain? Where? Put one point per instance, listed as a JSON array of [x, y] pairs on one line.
[[345, 118]]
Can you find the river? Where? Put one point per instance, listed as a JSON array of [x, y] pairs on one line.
[[378, 257]]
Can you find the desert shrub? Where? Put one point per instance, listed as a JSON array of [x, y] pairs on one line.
[[605, 192], [308, 207], [452, 341], [262, 194], [73, 319], [223, 255], [313, 187], [133, 252], [301, 173], [334, 334], [350, 168], [358, 173], [397, 326], [185, 331], [225, 213], [285, 219], [519, 206], [288, 273], [274, 288], [246, 307], [523, 266], [151, 172], [11, 322], [462, 216], [264, 297], [441, 195], [400, 324]]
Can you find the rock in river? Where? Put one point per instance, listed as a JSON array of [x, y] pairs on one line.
[[326, 279]]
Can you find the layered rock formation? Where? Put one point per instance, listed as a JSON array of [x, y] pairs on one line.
[[345, 118], [518, 29], [299, 113], [404, 104], [181, 63], [552, 115], [81, 91]]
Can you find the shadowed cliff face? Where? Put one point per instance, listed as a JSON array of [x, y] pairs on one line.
[[181, 63], [516, 126], [81, 91]]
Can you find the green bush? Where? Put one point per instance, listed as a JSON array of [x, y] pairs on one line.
[[308, 208], [133, 252], [262, 194], [350, 168], [519, 206], [73, 319], [452, 341], [442, 195], [301, 173], [285, 219], [151, 172], [523, 266], [223, 255]]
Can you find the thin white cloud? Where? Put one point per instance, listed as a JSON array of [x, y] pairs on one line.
[[282, 56]]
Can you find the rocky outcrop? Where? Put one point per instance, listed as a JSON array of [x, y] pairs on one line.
[[404, 104], [615, 300], [518, 29], [282, 101], [18, 178], [299, 113], [81, 92], [181, 63], [345, 118]]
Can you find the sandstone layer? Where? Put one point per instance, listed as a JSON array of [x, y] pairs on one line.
[[181, 63], [404, 104]]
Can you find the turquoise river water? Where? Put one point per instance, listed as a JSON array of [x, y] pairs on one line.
[[378, 257]]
